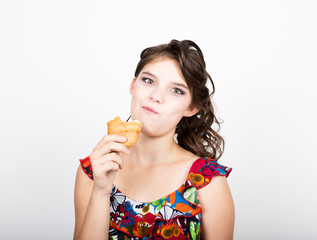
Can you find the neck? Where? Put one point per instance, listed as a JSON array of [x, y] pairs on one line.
[[154, 150]]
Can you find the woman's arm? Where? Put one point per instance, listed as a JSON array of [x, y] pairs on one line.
[[92, 198], [91, 209], [217, 210]]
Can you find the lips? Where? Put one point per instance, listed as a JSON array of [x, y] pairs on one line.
[[148, 109]]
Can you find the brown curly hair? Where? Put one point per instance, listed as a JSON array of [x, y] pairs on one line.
[[196, 133]]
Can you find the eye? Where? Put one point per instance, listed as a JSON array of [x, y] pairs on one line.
[[178, 91], [147, 80]]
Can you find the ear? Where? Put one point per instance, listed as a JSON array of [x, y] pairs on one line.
[[191, 111], [132, 85]]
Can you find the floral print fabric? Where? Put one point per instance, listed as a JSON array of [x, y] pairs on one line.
[[175, 216]]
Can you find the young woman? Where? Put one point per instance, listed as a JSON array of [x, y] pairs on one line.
[[169, 184]]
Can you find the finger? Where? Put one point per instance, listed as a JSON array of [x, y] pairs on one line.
[[108, 148], [107, 167], [111, 138], [114, 157], [110, 157]]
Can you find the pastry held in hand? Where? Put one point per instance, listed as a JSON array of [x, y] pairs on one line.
[[130, 130]]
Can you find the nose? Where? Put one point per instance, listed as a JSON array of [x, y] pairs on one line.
[[157, 96]]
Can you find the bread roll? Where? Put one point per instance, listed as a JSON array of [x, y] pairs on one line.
[[130, 130]]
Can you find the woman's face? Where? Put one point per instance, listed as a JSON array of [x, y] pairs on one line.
[[160, 97]]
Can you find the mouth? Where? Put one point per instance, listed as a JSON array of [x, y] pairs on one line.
[[149, 110]]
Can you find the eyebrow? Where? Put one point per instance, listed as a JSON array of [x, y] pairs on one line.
[[180, 84], [148, 73], [175, 83]]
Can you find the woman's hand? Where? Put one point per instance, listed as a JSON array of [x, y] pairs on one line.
[[105, 161]]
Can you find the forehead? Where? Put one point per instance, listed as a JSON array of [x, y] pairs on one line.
[[165, 68]]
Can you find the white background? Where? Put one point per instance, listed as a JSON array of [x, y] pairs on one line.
[[65, 70]]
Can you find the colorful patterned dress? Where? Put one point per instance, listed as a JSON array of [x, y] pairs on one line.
[[175, 216]]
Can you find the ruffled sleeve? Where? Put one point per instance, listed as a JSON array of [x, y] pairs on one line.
[[86, 166], [203, 170]]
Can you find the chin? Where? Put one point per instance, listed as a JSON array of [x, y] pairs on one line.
[[150, 131]]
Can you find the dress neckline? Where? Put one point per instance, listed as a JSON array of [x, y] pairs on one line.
[[117, 190], [179, 189]]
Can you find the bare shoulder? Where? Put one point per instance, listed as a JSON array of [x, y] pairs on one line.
[[185, 160], [187, 156], [217, 209]]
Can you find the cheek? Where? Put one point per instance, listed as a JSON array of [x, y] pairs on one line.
[[178, 106], [136, 100], [138, 91]]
